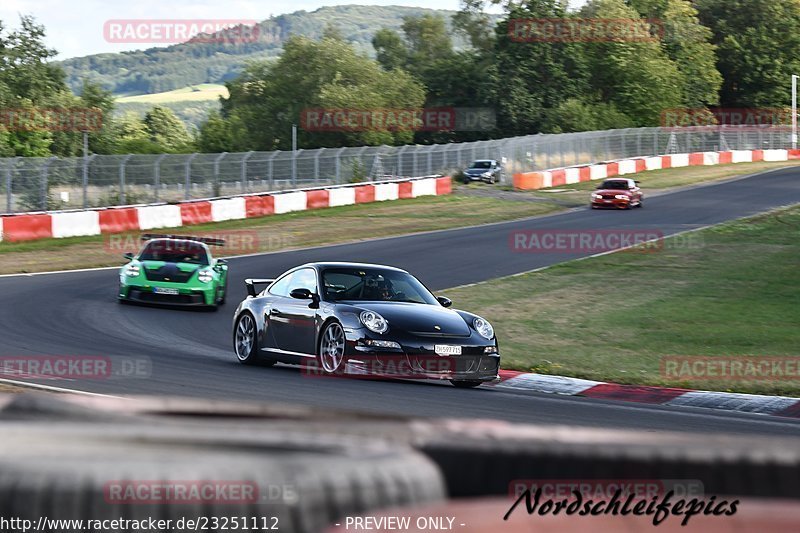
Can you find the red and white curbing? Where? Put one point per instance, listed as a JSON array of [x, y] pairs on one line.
[[32, 226], [568, 175], [743, 403]]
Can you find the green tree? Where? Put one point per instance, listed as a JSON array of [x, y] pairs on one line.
[[166, 130], [638, 77], [391, 51], [757, 48], [528, 78], [271, 96]]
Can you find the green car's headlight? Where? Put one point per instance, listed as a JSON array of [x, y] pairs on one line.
[[132, 271], [205, 276]]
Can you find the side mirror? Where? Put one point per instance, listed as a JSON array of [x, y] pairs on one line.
[[128, 256], [222, 261], [637, 183], [446, 302], [301, 294]]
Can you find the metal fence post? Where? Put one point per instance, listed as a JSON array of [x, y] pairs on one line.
[[316, 165], [10, 183], [43, 192], [339, 165], [122, 179], [270, 176], [187, 182], [217, 188], [400, 159], [157, 174], [247, 156]]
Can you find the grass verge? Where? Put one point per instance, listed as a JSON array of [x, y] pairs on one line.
[[283, 232], [734, 292]]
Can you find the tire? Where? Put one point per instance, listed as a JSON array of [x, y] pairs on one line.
[[245, 339], [465, 384], [306, 479], [330, 349]]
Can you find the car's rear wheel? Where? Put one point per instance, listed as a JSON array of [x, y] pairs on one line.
[[465, 384], [245, 339], [331, 348]]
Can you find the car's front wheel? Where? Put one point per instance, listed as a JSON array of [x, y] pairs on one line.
[[331, 348], [465, 384], [245, 339]]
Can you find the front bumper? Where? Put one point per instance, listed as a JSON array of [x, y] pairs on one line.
[[417, 358], [187, 295], [616, 203]]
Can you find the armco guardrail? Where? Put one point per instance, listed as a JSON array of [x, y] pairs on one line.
[[32, 226], [48, 184], [567, 175]]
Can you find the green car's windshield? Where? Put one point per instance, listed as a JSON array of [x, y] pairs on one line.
[[171, 251]]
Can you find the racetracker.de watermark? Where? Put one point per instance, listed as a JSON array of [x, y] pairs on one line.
[[387, 366], [593, 241], [74, 367], [177, 492], [237, 242], [173, 31], [746, 119], [730, 368], [53, 119], [584, 30], [398, 119]]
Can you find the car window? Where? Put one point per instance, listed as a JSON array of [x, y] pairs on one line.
[[304, 279], [281, 287], [481, 164], [614, 184], [175, 252], [374, 284]]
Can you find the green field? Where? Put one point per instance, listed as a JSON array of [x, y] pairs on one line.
[[730, 290], [196, 93]]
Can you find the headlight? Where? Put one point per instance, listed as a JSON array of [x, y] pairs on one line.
[[374, 322], [132, 270], [380, 343], [205, 276], [621, 196], [595, 195], [483, 328], [486, 174]]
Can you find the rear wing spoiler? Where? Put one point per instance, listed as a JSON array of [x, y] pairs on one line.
[[205, 240], [251, 283]]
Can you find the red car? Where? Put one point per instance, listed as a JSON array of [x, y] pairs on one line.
[[619, 193]]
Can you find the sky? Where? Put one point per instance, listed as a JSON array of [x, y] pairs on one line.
[[76, 27]]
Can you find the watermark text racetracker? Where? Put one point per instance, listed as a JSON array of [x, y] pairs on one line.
[[178, 492], [584, 30], [174, 31], [237, 242], [396, 119], [52, 119], [592, 241], [730, 368], [72, 367]]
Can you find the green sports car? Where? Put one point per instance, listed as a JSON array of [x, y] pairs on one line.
[[174, 270]]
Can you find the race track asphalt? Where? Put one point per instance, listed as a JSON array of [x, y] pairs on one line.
[[189, 352]]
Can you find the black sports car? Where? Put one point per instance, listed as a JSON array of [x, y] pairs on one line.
[[357, 319]]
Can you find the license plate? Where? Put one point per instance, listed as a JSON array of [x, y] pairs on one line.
[[608, 201], [165, 290], [443, 349]]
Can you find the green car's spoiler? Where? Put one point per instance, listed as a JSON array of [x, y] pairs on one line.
[[251, 283]]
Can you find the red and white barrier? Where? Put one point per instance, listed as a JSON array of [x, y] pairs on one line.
[[31, 226], [564, 176]]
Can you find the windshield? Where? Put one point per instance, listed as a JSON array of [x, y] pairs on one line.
[[370, 285], [481, 164], [175, 252], [614, 184]]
